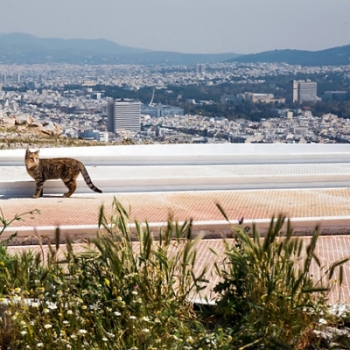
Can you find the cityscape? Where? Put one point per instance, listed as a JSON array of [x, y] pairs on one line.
[[66, 99], [205, 146]]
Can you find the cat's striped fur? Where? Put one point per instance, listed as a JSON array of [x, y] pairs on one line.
[[66, 169]]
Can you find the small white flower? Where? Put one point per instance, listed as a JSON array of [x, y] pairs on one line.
[[117, 313], [132, 317], [82, 331], [322, 321], [47, 326], [51, 306], [39, 345]]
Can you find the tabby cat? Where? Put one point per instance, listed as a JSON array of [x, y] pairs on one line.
[[66, 169]]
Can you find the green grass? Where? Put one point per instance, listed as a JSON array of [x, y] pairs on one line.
[[132, 291]]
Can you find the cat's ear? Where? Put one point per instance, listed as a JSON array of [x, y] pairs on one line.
[[37, 152], [27, 151]]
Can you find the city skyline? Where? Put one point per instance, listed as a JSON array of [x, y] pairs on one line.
[[213, 26]]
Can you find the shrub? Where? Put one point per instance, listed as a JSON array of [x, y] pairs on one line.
[[111, 296], [267, 293]]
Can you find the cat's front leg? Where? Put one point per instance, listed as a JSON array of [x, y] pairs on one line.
[[39, 190]]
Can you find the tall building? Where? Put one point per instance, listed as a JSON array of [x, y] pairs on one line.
[[300, 91], [124, 115], [200, 68]]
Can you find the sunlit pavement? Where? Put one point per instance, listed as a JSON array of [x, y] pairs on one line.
[[78, 217]]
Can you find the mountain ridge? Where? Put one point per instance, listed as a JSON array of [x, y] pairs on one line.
[[22, 48], [27, 48], [339, 55]]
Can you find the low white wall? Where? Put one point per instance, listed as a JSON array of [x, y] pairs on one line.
[[146, 168], [158, 154]]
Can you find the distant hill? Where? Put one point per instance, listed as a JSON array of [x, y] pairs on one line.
[[22, 48], [334, 56]]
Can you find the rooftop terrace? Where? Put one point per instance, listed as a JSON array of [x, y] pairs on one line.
[[310, 184]]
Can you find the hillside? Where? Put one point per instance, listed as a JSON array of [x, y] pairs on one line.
[[24, 131], [333, 56]]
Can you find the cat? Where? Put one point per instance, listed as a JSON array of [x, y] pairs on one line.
[[66, 169]]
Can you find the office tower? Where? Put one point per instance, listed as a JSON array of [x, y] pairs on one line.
[[124, 115], [292, 91], [200, 68], [300, 91]]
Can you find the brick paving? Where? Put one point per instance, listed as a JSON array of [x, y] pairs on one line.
[[200, 206]]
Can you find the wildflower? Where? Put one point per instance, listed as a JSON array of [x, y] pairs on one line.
[[65, 322], [35, 304], [134, 292], [104, 339], [116, 313], [51, 306], [48, 326], [190, 340], [145, 330], [322, 321], [145, 318], [17, 290], [132, 317], [82, 331], [40, 345], [70, 312], [40, 289], [23, 332]]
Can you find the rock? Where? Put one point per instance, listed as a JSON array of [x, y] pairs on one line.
[[8, 121]]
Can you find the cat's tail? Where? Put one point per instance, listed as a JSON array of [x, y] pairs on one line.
[[88, 180]]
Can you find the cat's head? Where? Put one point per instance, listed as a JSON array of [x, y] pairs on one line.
[[31, 159]]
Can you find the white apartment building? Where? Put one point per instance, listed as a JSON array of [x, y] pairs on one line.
[[124, 115], [301, 90]]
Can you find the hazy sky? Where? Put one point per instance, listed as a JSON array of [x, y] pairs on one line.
[[191, 26]]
